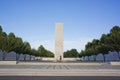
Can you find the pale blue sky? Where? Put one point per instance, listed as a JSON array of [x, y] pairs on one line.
[[34, 20]]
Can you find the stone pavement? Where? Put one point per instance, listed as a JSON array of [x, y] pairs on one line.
[[59, 69]]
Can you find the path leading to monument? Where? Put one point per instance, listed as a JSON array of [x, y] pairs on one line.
[[61, 67], [37, 72], [59, 70]]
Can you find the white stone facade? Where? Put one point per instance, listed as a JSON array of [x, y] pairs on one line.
[[58, 42]]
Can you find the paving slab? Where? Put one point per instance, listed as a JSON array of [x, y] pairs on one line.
[[37, 72], [59, 69]]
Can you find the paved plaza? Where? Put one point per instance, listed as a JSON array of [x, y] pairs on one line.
[[61, 67], [58, 69]]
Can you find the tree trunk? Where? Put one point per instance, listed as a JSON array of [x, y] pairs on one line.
[[4, 55], [88, 58], [24, 57], [104, 58], [94, 57], [118, 55], [30, 57], [17, 57], [34, 58], [83, 58]]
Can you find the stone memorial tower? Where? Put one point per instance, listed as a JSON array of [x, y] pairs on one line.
[[58, 42]]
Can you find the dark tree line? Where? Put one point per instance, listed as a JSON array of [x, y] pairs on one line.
[[10, 42], [107, 43], [73, 53], [44, 52]]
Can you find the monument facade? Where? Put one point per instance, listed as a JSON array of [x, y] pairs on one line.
[[58, 42]]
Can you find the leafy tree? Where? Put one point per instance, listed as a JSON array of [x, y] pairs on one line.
[[19, 47], [3, 44], [88, 52], [91, 48], [115, 29], [94, 49], [0, 28], [42, 52], [50, 54], [2, 37], [108, 42], [12, 43], [33, 52], [88, 45], [7, 43], [71, 53], [104, 49], [82, 54], [114, 39], [27, 49]]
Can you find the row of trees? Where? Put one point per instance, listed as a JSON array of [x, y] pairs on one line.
[[44, 52], [71, 53], [107, 43], [11, 42]]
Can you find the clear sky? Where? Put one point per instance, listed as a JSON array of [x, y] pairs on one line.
[[34, 20]]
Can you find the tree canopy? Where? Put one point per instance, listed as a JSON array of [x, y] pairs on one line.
[[10, 42], [71, 53], [44, 52], [107, 42]]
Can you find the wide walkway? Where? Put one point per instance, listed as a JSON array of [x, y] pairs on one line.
[[59, 69]]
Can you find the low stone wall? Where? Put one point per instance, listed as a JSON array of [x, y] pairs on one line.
[[57, 63], [52, 59], [48, 59], [7, 62], [115, 63], [44, 58], [71, 59]]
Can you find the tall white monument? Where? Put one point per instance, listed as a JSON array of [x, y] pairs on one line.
[[58, 42]]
